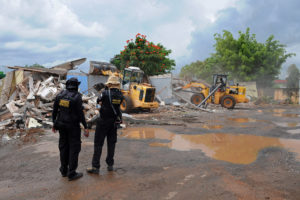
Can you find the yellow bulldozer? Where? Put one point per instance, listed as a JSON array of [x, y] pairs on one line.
[[137, 93], [219, 93]]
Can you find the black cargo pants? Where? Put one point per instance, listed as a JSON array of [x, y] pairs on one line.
[[105, 128], [69, 147]]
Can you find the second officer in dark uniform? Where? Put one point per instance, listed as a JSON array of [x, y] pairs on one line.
[[67, 115], [110, 116]]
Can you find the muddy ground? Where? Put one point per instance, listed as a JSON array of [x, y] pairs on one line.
[[245, 153]]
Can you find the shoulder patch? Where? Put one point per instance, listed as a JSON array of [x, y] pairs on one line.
[[64, 103], [116, 101]]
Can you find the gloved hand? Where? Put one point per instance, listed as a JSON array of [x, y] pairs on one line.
[[86, 132], [53, 130], [119, 120]]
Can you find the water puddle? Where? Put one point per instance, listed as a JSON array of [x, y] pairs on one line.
[[294, 132], [278, 110], [287, 124], [238, 149], [242, 120], [285, 115], [209, 127]]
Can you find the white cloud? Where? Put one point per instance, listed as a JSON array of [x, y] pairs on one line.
[[207, 11], [35, 47], [149, 10], [45, 19], [175, 36]]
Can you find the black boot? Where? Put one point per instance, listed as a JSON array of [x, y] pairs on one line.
[[92, 170], [63, 171], [75, 176], [110, 168]]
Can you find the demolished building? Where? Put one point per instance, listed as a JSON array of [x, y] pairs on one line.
[[27, 95]]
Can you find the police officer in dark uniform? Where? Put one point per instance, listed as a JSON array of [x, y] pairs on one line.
[[110, 117], [67, 115]]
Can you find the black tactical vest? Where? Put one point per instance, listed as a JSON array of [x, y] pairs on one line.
[[106, 110], [67, 107]]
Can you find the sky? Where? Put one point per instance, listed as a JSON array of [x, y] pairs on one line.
[[50, 32]]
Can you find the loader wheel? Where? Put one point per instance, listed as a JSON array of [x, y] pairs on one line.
[[228, 102], [196, 99], [126, 105]]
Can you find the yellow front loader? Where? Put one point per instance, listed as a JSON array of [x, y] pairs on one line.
[[218, 93], [137, 93]]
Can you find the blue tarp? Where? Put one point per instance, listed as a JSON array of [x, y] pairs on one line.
[[84, 82]]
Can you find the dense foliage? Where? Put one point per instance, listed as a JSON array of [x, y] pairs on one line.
[[293, 77], [35, 66], [2, 75], [243, 59], [152, 59]]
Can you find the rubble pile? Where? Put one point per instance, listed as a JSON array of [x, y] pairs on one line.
[[30, 105]]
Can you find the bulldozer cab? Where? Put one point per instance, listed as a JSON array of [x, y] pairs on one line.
[[220, 79], [132, 75]]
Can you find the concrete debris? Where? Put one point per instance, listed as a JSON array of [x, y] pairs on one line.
[[12, 107], [188, 102], [33, 123], [176, 103], [127, 115], [5, 138], [47, 93], [30, 102]]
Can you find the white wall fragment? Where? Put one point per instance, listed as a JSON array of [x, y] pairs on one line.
[[11, 106], [33, 123], [163, 85]]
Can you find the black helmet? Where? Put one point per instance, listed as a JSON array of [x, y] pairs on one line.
[[72, 84]]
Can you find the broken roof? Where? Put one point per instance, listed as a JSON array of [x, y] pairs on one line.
[[61, 69], [41, 70], [69, 65]]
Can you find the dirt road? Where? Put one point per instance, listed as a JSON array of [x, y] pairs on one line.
[[239, 154]]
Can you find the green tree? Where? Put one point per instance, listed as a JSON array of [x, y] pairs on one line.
[[293, 77], [244, 59], [152, 59], [200, 70], [248, 60], [36, 65], [2, 75]]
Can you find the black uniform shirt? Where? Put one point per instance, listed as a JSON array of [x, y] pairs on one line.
[[68, 108], [106, 111]]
